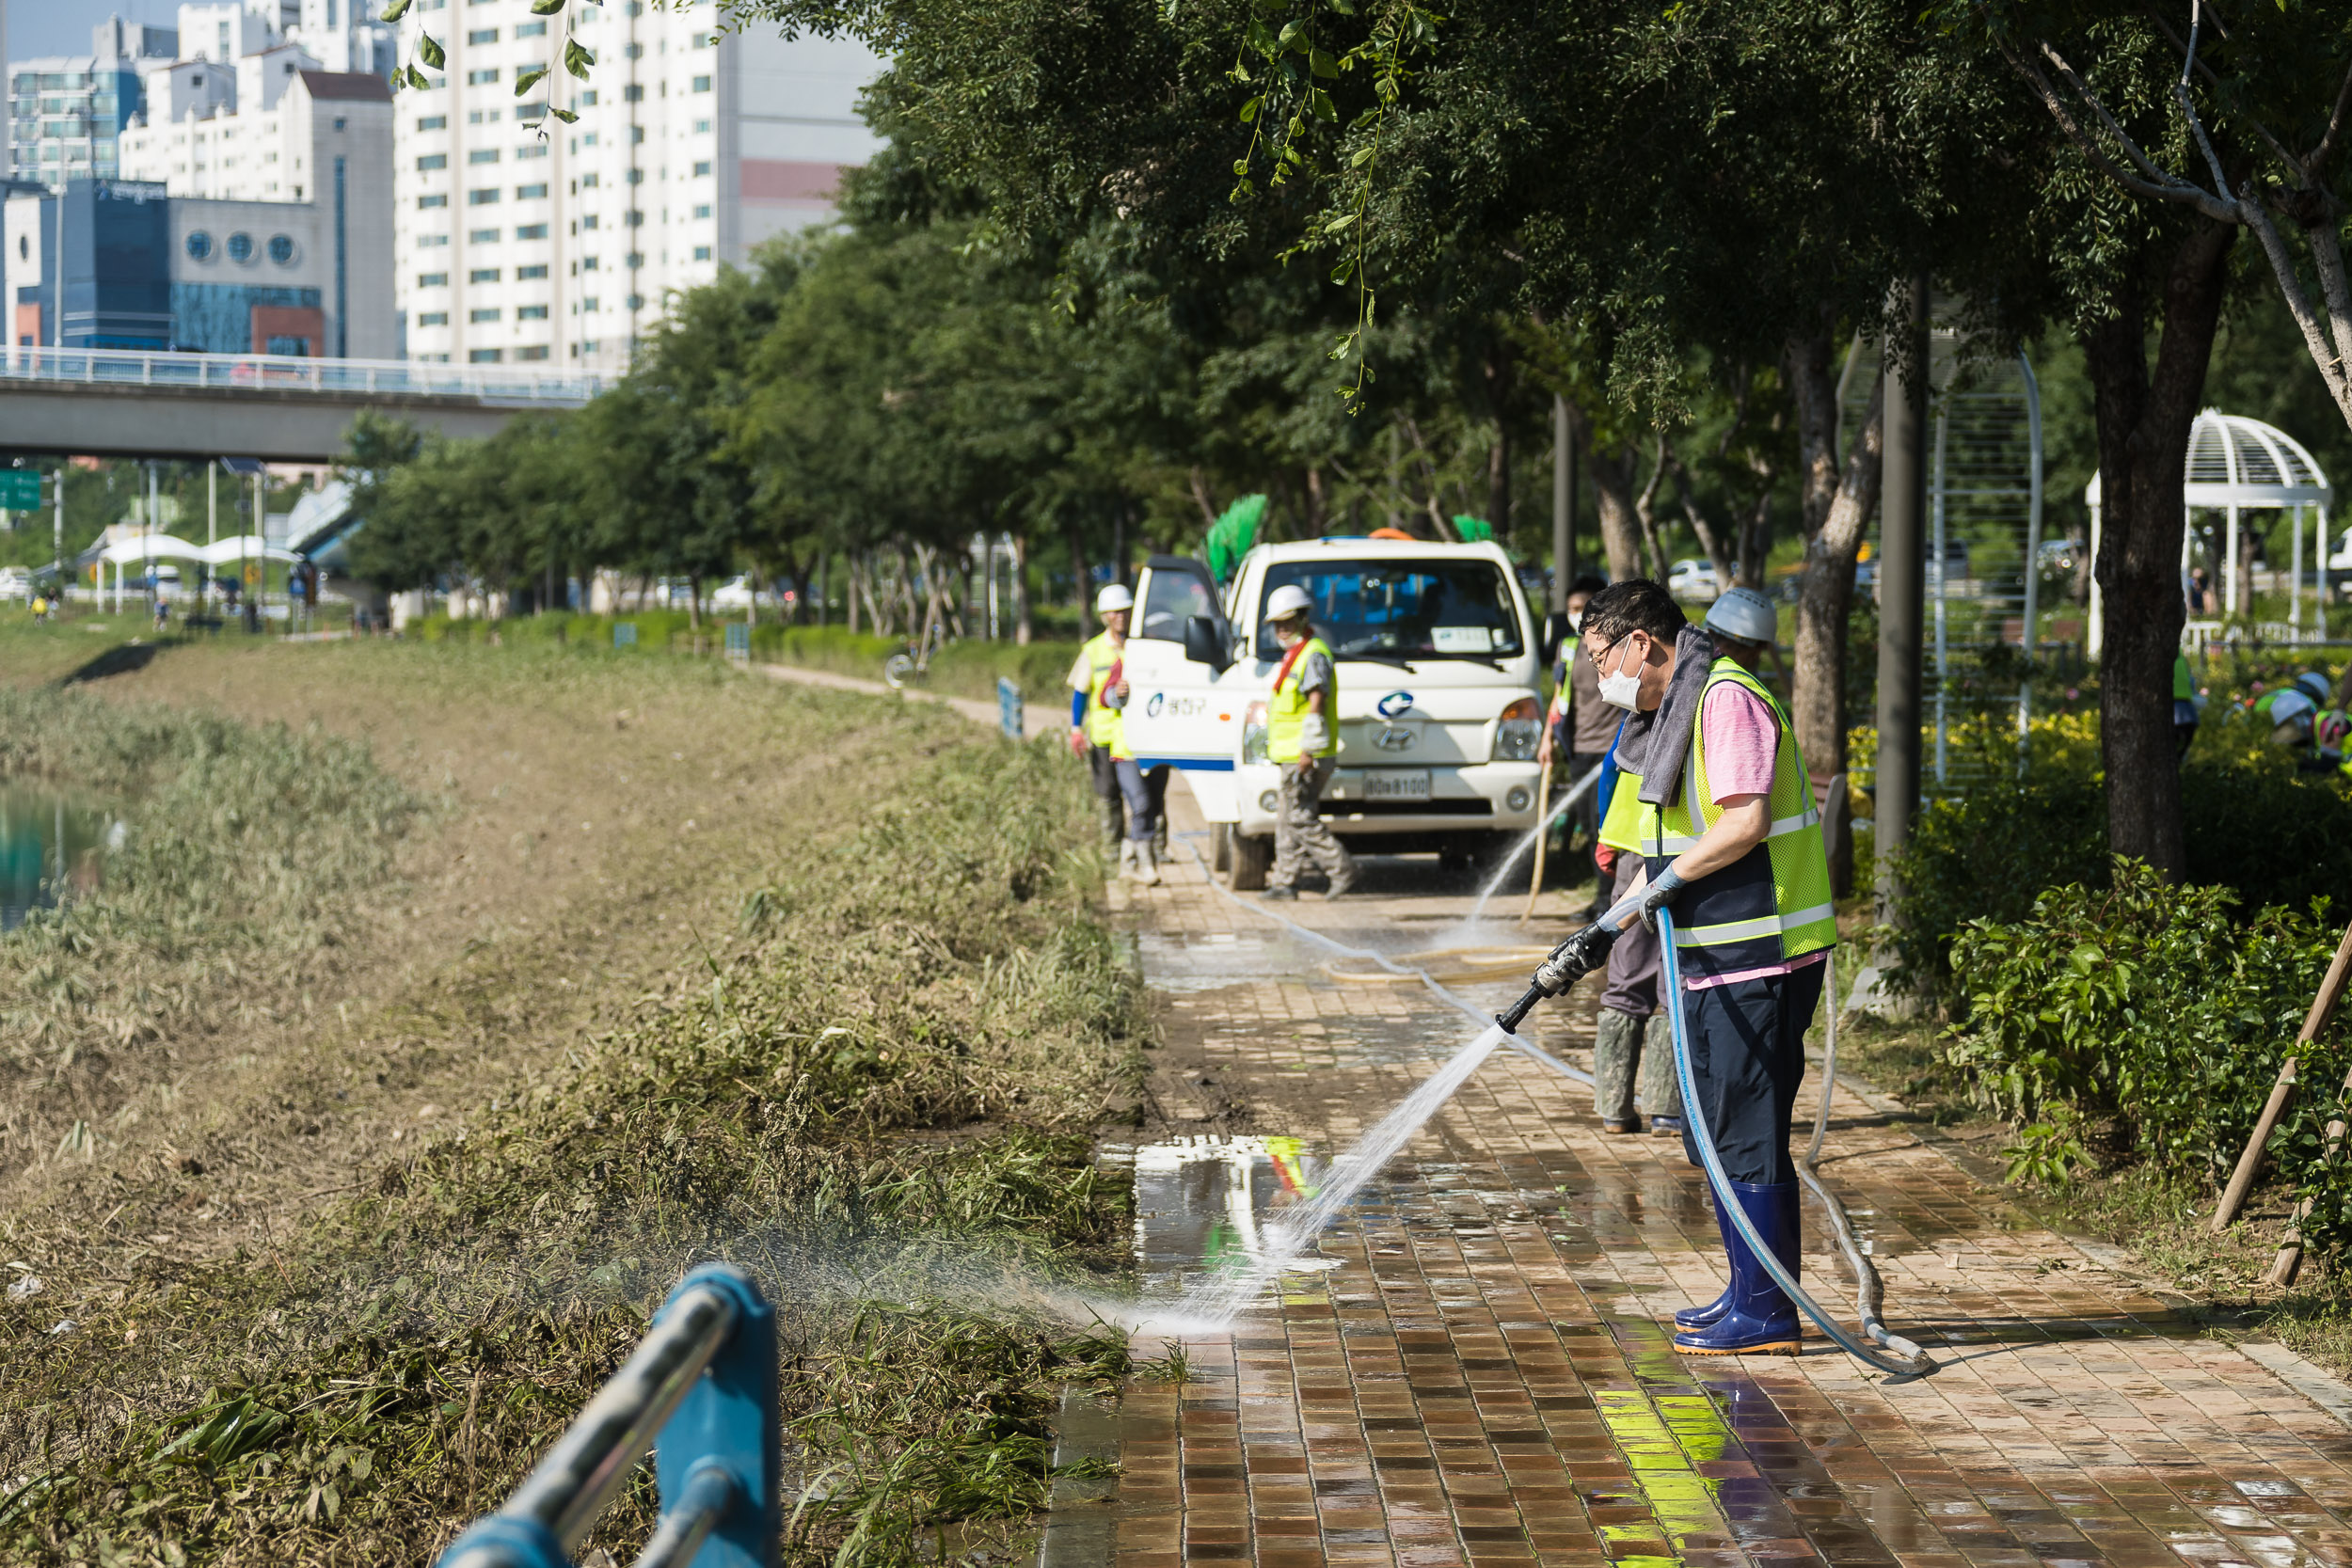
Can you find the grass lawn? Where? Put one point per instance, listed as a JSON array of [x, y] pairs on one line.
[[443, 1003]]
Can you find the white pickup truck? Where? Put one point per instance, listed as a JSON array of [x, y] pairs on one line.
[[1441, 675]]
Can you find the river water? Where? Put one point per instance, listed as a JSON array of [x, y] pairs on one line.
[[51, 846]]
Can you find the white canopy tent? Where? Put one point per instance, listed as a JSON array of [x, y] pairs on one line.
[[2240, 465], [163, 547]]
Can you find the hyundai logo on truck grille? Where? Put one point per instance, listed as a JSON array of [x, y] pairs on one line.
[[1394, 703], [1393, 738]]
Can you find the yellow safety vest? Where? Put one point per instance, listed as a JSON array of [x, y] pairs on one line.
[[1286, 710], [1773, 903], [1103, 727]]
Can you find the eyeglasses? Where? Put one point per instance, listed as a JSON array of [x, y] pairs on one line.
[[1601, 665]]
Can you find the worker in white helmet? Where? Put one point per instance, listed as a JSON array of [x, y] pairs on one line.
[[1746, 627], [1302, 737], [1098, 692]]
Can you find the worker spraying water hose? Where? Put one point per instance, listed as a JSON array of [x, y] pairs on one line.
[[1730, 840]]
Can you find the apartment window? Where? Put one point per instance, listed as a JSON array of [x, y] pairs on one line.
[[701, 169], [588, 264], [426, 242], [538, 270], [482, 275], [530, 232], [426, 203], [432, 122], [701, 127], [530, 312], [702, 253], [432, 161], [535, 149], [635, 259], [636, 217], [479, 78], [637, 177], [588, 181], [585, 101], [478, 318], [432, 318], [637, 136], [482, 236], [486, 356], [531, 193], [589, 221], [432, 281], [637, 302], [633, 93], [339, 124], [530, 30], [530, 114], [704, 41], [588, 306], [636, 51], [484, 197], [702, 84], [483, 156], [483, 35], [703, 210], [536, 350]]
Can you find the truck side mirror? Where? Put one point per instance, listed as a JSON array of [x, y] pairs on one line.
[[1204, 643], [1556, 631]]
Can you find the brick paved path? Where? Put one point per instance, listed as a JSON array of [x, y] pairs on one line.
[[1483, 1377]]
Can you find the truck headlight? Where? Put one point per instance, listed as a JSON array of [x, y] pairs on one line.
[[1253, 734], [1267, 803], [1520, 730], [1518, 798]]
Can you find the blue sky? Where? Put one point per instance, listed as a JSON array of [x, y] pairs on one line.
[[63, 27]]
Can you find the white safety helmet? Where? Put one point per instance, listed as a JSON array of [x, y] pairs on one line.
[[1113, 596], [1744, 613], [1289, 599]]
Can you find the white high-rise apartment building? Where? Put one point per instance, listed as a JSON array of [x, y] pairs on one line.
[[271, 127], [523, 239]]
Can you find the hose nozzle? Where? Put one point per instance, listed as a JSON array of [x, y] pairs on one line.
[[1583, 951]]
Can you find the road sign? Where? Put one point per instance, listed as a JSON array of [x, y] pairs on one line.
[[20, 489]]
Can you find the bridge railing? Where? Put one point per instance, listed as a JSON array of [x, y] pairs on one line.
[[701, 1392], [114, 367]]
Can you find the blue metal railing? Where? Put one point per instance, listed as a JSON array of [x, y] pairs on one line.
[[701, 1393], [249, 373]]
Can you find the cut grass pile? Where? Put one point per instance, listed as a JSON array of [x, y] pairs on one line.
[[872, 1093], [246, 858]]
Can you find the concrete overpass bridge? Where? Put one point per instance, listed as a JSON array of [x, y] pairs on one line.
[[121, 403]]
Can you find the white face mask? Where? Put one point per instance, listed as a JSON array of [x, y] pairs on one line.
[[1576, 619], [1623, 690]]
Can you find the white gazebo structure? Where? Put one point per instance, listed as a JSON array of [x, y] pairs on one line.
[[145, 548], [2240, 465]]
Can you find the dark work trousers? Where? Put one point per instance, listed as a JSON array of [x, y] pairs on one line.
[[1747, 1056], [1586, 814], [1108, 794]]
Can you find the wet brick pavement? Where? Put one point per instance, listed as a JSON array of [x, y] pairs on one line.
[[1483, 1378]]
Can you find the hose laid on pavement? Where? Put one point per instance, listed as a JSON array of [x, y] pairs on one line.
[[1907, 1360], [1869, 1293]]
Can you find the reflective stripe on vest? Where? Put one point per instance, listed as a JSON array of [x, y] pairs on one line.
[[1286, 709], [1103, 726], [1773, 903]]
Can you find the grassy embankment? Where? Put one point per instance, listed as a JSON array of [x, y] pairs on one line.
[[966, 669], [869, 1088]]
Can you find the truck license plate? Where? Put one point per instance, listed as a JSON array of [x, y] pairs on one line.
[[1396, 783]]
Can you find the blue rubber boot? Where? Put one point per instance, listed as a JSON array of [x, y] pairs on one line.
[[1761, 1319], [1786, 1248]]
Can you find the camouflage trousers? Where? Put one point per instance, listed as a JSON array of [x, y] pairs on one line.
[[1299, 833]]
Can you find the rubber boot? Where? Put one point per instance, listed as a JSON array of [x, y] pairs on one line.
[[1699, 1317], [1616, 1045], [1662, 1091], [1761, 1319], [1147, 862], [1129, 860]]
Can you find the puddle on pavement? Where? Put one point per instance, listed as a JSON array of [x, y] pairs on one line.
[[1203, 1203], [51, 846]]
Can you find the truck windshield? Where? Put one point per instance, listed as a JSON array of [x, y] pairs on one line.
[[1420, 610]]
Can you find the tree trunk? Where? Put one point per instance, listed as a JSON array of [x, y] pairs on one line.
[[1620, 525], [2143, 423], [849, 567], [694, 603], [1200, 496], [1314, 501], [1023, 632], [1083, 574]]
